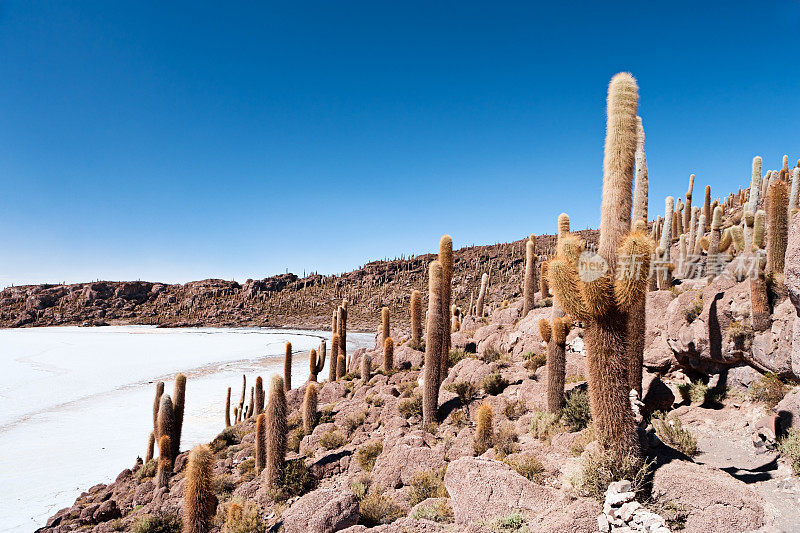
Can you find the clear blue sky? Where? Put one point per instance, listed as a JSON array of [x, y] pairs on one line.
[[177, 141]]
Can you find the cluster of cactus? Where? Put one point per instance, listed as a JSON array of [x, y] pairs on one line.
[[167, 426]]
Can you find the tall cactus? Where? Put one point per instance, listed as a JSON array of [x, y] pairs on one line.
[[199, 501], [276, 432], [228, 408], [165, 463], [794, 191], [341, 325], [713, 261], [687, 212], [446, 259], [385, 324], [604, 303], [166, 422], [482, 295], [151, 441], [157, 403], [366, 367], [252, 407], [259, 407], [179, 401], [287, 367], [261, 442], [529, 286], [341, 364], [333, 366], [641, 183], [664, 274], [556, 338], [700, 232], [241, 400], [484, 433], [433, 344], [544, 286], [388, 355], [707, 203], [310, 408], [755, 185], [416, 319]]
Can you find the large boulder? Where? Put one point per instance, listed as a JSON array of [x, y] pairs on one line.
[[788, 411], [482, 489], [791, 270], [714, 500], [403, 457], [322, 511]]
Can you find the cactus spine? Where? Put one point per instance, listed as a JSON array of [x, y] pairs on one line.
[[603, 304], [228, 408], [777, 239], [416, 319], [199, 501], [260, 444], [529, 288], [276, 432], [334, 364], [388, 355], [446, 259], [433, 344], [310, 408], [384, 324], [688, 212], [482, 295], [483, 429]]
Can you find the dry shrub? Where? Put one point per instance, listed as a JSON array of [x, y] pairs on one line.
[[376, 509], [331, 440], [790, 448], [368, 453], [576, 413], [243, 518], [768, 389], [534, 361], [514, 410], [158, 523], [544, 425], [672, 433], [440, 512], [465, 390], [494, 384], [412, 406], [427, 484], [599, 470], [527, 466], [505, 441]]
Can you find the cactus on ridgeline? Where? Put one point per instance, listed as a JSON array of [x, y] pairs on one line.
[[484, 433], [260, 447], [707, 203], [333, 366], [388, 355], [778, 230], [366, 367], [603, 304], [688, 212], [416, 319], [276, 432], [228, 408], [446, 260], [563, 226], [165, 462], [529, 285], [482, 295], [310, 408], [287, 367], [199, 501], [433, 344], [678, 220]]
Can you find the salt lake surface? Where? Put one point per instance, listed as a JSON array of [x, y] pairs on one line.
[[76, 403]]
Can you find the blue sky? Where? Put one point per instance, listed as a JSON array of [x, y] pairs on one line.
[[178, 141]]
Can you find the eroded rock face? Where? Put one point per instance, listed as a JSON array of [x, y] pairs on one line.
[[323, 511], [482, 489], [715, 501]]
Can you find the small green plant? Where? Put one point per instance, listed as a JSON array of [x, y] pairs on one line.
[[513, 523], [768, 389], [427, 484], [576, 413], [465, 390], [789, 446], [694, 310], [454, 356], [672, 433], [599, 470], [331, 440], [514, 410], [439, 512], [534, 361], [695, 393], [368, 453], [544, 425], [360, 487], [376, 509], [490, 354], [527, 466], [412, 406], [158, 523], [494, 384]]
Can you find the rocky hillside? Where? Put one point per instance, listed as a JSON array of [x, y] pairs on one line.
[[283, 300]]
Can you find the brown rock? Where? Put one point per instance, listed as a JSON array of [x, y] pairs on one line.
[[322, 511], [107, 511]]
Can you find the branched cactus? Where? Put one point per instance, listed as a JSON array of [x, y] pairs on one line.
[[310, 408], [228, 408], [388, 355], [433, 344], [529, 287], [199, 501], [261, 442], [603, 304], [276, 432], [316, 364], [482, 295], [416, 319], [484, 433]]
